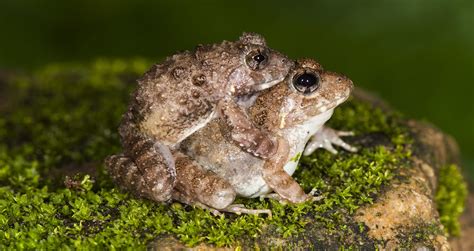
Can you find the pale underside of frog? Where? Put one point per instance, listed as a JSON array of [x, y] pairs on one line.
[[181, 95]]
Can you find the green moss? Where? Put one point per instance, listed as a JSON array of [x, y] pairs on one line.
[[450, 198], [420, 235], [63, 120]]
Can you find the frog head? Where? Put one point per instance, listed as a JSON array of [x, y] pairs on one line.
[[308, 94], [258, 67]]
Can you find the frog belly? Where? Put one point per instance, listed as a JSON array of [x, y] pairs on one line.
[[297, 138], [255, 187]]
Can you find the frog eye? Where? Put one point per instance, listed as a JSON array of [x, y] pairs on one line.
[[306, 83], [257, 60]]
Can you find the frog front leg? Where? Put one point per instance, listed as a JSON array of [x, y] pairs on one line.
[[245, 133], [202, 188], [286, 188], [325, 138]]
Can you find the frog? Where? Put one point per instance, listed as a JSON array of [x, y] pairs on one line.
[[214, 171], [179, 96]]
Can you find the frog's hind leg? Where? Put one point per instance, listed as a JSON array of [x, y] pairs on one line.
[[153, 160], [125, 173], [202, 188], [128, 176], [195, 184], [188, 199]]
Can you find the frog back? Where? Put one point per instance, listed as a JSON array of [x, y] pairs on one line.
[[173, 99]]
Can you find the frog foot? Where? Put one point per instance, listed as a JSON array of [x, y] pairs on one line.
[[327, 137], [213, 211], [281, 200], [240, 209]]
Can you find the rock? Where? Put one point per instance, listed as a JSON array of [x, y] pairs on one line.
[[407, 203]]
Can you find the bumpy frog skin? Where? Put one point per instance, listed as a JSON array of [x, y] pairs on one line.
[[176, 98], [296, 110]]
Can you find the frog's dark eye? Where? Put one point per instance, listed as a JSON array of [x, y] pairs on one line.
[[257, 60], [306, 83]]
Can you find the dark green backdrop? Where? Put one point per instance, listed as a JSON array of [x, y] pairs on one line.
[[417, 54]]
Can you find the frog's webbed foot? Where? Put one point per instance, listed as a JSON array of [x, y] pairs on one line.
[[233, 208], [213, 211], [327, 137], [241, 209]]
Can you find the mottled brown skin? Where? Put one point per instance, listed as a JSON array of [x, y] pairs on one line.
[[282, 110], [176, 98]]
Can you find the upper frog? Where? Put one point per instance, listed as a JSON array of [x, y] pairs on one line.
[[180, 95], [176, 98]]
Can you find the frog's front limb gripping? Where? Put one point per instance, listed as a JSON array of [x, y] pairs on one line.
[[279, 180], [244, 133], [325, 138]]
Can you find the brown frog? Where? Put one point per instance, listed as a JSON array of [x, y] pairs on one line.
[[296, 110], [176, 98]]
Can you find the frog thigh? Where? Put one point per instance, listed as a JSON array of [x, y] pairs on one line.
[[126, 174], [196, 185]]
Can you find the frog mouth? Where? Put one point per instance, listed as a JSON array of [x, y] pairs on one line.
[[333, 105]]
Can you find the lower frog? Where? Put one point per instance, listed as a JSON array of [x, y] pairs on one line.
[[212, 171]]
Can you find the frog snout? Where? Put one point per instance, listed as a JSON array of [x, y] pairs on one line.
[[344, 82], [351, 84]]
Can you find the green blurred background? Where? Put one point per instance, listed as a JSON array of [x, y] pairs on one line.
[[416, 54]]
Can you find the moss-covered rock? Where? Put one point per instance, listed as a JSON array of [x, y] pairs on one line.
[[59, 123]]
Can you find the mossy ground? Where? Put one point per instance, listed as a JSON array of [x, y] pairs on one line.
[[62, 120], [451, 198]]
